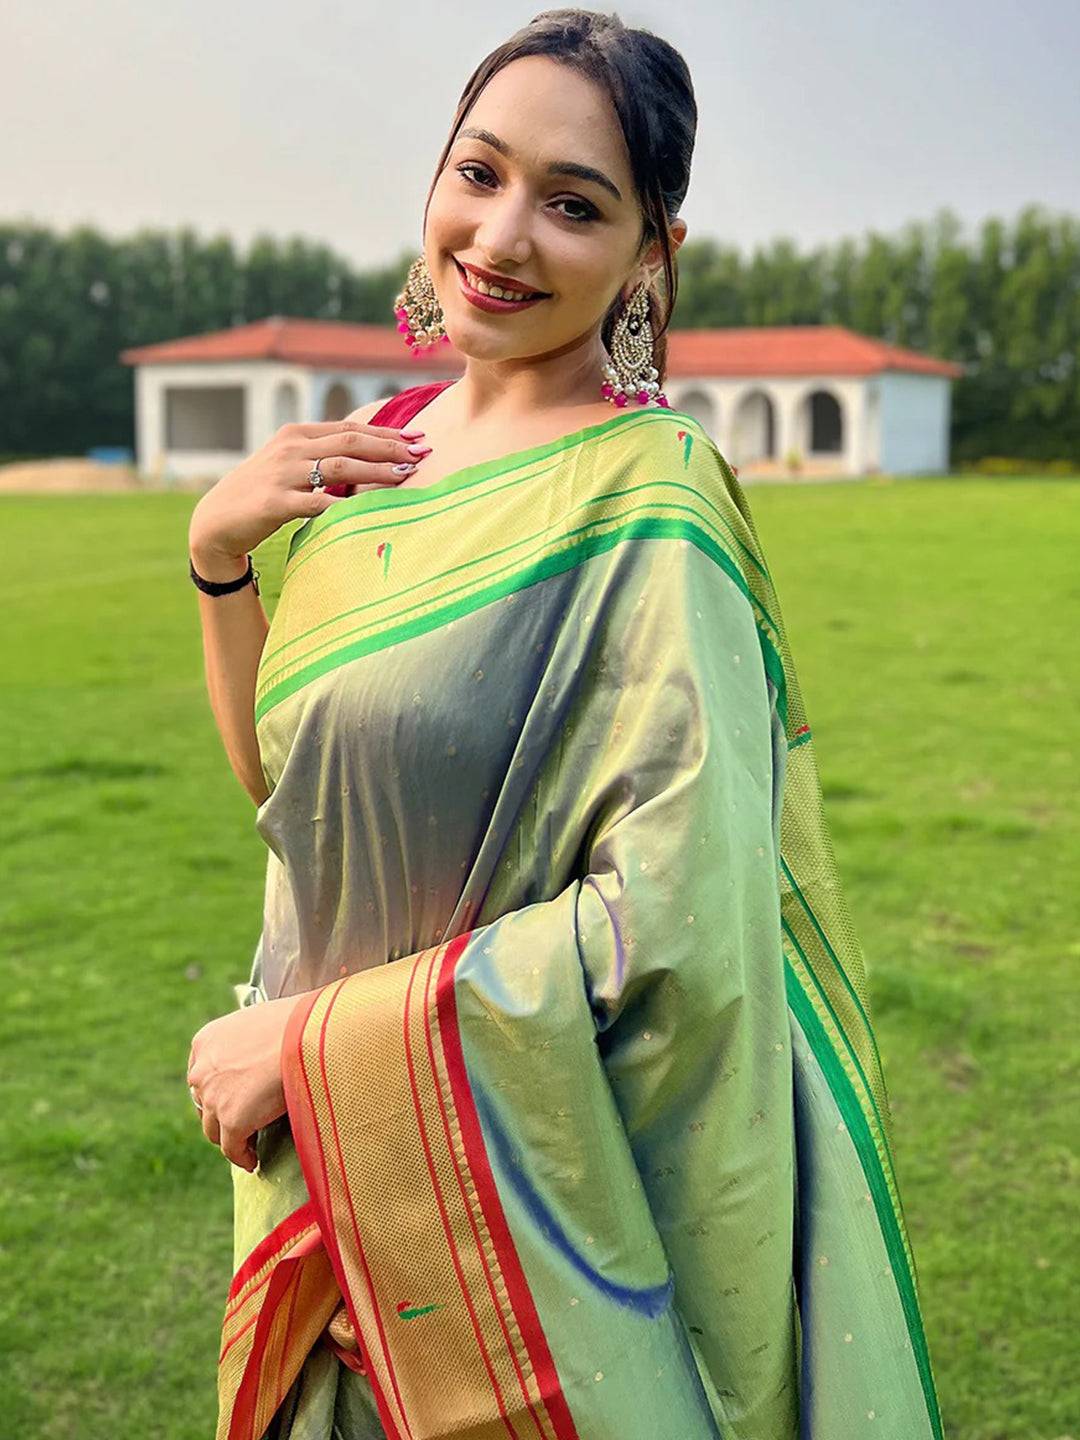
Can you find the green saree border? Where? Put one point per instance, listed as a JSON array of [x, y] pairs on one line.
[[565, 559], [854, 1118], [841, 1030], [536, 538], [826, 945]]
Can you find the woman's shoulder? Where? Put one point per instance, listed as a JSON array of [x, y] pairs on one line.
[[670, 437], [363, 413], [677, 466]]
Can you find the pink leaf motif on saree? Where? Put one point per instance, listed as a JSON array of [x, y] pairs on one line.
[[386, 546]]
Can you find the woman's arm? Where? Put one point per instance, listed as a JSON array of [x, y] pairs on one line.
[[234, 631], [234, 626]]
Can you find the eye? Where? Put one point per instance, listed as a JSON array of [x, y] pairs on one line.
[[591, 212], [463, 168]]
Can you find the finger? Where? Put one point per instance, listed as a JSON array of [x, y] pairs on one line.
[[315, 429], [385, 465], [210, 1125], [361, 446], [238, 1148]]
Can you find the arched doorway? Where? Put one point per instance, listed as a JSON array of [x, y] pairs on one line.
[[755, 428], [337, 403], [826, 423]]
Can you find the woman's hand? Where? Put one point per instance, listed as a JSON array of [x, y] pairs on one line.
[[271, 486], [235, 1070]]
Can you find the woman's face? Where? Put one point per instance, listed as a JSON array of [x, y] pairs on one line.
[[495, 205]]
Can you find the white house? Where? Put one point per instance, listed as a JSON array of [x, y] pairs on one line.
[[837, 402]]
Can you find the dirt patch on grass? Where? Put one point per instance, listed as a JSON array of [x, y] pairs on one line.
[[77, 475]]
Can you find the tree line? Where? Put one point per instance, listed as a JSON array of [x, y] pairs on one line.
[[1004, 302]]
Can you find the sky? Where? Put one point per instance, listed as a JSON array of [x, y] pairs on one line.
[[325, 120]]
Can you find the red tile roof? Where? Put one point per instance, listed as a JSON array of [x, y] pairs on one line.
[[793, 350], [767, 350]]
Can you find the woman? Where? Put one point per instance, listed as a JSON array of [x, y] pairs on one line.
[[552, 1100]]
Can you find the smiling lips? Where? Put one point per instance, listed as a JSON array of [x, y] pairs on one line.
[[491, 303]]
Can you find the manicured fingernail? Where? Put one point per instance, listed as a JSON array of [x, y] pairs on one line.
[[403, 469], [412, 434], [419, 450]]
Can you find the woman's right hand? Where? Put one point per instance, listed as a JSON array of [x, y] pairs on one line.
[[271, 486]]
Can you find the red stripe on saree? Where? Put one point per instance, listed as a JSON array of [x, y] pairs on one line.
[[393, 1155]]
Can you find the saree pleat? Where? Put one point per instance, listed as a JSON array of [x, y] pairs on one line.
[[587, 1133]]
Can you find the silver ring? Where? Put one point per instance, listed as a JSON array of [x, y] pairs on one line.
[[315, 479], [194, 1098]]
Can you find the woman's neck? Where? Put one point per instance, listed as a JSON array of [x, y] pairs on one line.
[[493, 393]]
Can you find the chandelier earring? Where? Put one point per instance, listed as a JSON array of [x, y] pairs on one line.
[[419, 314], [630, 370]]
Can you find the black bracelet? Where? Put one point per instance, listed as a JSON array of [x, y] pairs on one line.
[[224, 587]]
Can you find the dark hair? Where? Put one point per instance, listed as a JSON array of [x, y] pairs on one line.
[[650, 87]]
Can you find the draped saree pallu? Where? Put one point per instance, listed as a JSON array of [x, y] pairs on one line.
[[587, 1136]]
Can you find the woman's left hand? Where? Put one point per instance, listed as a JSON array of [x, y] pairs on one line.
[[235, 1070]]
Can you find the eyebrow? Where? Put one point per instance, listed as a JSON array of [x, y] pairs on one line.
[[557, 167]]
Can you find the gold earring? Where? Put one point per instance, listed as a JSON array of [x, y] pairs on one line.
[[420, 316], [630, 370]]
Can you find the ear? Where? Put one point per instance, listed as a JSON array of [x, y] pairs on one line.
[[652, 261]]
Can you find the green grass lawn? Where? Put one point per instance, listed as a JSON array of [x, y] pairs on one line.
[[934, 623]]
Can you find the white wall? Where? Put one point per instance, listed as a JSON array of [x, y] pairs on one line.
[[914, 423]]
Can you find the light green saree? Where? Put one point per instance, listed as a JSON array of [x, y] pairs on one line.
[[587, 1137]]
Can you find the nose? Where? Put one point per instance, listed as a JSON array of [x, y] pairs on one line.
[[503, 236]]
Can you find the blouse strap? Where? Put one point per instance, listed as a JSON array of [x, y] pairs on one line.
[[400, 408]]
